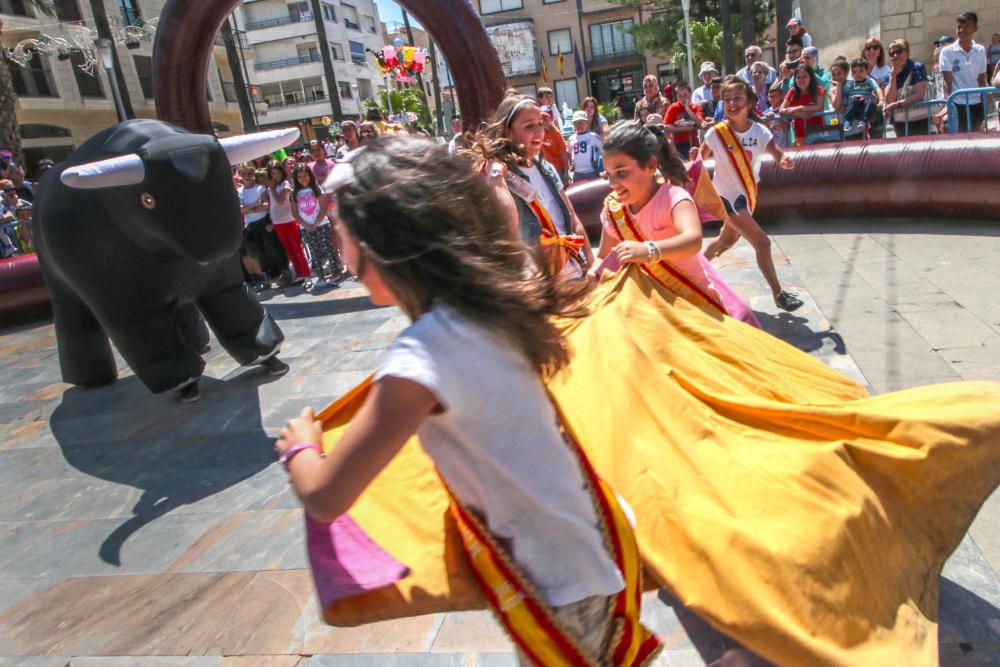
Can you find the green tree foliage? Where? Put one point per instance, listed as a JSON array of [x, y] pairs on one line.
[[407, 99], [663, 26], [706, 43]]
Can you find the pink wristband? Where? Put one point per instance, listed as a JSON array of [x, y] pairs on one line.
[[294, 450]]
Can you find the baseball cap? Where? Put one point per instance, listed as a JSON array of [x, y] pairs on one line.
[[351, 123], [708, 66], [6, 153], [793, 21], [580, 115], [944, 39], [654, 119]]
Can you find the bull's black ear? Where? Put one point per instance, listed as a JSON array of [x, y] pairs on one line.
[[192, 163]]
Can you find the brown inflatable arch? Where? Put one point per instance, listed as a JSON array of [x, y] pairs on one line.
[[187, 30]]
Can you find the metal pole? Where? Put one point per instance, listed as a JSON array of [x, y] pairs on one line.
[[388, 93], [686, 5], [119, 104]]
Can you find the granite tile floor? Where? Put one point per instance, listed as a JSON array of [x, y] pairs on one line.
[[138, 531]]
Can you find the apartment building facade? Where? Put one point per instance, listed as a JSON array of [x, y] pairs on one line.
[[60, 106], [284, 61], [599, 59]]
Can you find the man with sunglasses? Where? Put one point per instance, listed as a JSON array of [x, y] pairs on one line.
[[751, 55], [8, 211]]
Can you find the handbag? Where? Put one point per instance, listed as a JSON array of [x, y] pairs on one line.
[[904, 114]]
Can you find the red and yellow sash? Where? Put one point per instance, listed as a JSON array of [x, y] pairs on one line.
[[527, 619], [662, 271], [741, 162], [560, 249]]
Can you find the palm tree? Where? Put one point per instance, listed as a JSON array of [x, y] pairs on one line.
[[10, 136]]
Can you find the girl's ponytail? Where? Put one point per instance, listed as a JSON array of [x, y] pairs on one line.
[[671, 165]]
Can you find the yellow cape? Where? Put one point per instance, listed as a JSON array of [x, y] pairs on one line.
[[776, 499]]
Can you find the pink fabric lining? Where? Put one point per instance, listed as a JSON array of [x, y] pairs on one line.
[[346, 562]]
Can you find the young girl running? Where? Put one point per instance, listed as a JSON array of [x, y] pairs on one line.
[[422, 231], [738, 143], [279, 192], [309, 206], [655, 224], [508, 151]]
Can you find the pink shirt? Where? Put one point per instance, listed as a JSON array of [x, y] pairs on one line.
[[656, 222]]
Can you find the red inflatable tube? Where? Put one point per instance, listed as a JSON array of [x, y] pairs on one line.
[[22, 290], [956, 177]]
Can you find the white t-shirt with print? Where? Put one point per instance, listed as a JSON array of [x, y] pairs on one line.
[[498, 447], [585, 148], [754, 141], [252, 195], [965, 69]]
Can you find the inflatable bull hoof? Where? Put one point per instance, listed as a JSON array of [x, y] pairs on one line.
[[138, 234]]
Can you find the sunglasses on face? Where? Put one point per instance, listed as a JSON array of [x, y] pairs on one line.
[[8, 190], [873, 47], [895, 52]]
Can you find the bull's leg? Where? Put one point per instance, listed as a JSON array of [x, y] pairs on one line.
[[240, 323], [157, 351], [85, 355]]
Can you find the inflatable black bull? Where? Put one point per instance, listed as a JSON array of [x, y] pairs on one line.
[[138, 231]]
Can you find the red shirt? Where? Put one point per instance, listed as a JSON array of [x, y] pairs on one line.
[[804, 100], [554, 148], [675, 112]]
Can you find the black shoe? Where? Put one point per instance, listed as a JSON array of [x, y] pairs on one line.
[[189, 393], [275, 366], [205, 349], [787, 301]]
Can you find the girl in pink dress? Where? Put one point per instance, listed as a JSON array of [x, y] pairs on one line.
[[654, 222]]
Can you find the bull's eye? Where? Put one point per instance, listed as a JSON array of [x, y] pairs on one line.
[[148, 200]]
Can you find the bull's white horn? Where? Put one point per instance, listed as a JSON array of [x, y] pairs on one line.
[[122, 170], [249, 146]]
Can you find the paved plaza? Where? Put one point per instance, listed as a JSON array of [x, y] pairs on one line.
[[138, 531]]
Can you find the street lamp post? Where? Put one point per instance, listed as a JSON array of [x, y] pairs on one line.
[[686, 6], [105, 49]]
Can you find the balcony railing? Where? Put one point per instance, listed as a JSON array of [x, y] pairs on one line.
[[604, 54], [282, 20], [289, 62], [281, 104], [352, 25]]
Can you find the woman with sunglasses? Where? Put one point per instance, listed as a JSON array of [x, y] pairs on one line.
[[877, 67], [907, 86]]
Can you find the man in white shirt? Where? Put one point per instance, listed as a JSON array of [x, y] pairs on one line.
[[707, 72], [457, 141], [963, 66]]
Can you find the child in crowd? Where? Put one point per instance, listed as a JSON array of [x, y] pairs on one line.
[[739, 143], [22, 228], [805, 98], [681, 117], [547, 101], [310, 207], [649, 223], [423, 232], [861, 95], [279, 192], [585, 149], [772, 116]]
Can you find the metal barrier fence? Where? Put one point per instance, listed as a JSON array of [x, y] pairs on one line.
[[954, 113]]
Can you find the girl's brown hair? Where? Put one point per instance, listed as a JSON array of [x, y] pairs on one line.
[[491, 141], [642, 143], [592, 118], [732, 81], [436, 234]]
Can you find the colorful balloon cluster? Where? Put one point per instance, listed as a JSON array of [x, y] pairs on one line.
[[402, 61]]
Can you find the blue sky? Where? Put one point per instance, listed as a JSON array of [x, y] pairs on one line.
[[389, 11]]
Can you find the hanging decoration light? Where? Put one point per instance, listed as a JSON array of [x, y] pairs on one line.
[[79, 38]]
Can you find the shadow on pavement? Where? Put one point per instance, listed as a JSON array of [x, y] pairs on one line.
[[175, 454], [298, 310], [795, 331]]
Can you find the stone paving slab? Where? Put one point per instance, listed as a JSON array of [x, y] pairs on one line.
[[138, 531]]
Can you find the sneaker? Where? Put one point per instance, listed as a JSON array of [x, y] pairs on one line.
[[308, 284], [322, 283], [787, 301], [275, 366], [189, 393]]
